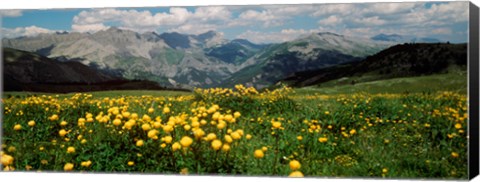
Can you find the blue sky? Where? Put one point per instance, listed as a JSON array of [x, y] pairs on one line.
[[446, 21]]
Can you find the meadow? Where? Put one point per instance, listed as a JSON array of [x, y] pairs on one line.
[[242, 131]]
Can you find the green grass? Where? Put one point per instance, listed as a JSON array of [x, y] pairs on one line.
[[391, 135], [454, 81], [100, 94]]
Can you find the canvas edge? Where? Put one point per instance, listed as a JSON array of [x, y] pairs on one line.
[[473, 95]]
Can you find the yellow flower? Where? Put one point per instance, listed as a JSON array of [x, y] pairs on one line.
[[198, 133], [53, 117], [44, 162], [157, 125], [221, 125], [71, 150], [458, 126], [11, 149], [454, 154], [62, 132], [228, 118], [294, 165], [31, 123], [8, 168], [176, 146], [296, 174], [81, 120], [63, 123], [150, 110], [239, 131], [68, 167], [146, 127], [6, 160], [264, 149], [117, 122], [211, 136], [228, 139], [130, 163], [322, 139], [168, 128], [236, 114], [216, 144], [235, 135], [327, 113], [186, 141], [17, 127], [384, 170], [146, 118], [187, 127], [126, 114], [152, 134], [86, 163], [276, 124], [226, 147], [139, 143], [248, 136], [195, 124], [83, 141], [258, 154], [167, 139], [184, 171], [353, 131], [299, 138], [166, 110]]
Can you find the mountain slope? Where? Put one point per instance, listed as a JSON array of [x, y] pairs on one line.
[[26, 67], [403, 38], [203, 60], [159, 58], [311, 52], [26, 71], [397, 61], [236, 51]]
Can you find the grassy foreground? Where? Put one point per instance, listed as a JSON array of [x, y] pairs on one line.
[[240, 132]]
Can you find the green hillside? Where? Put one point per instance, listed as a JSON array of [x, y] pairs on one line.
[[455, 81]]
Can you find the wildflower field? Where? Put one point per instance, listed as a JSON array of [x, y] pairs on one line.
[[241, 131]]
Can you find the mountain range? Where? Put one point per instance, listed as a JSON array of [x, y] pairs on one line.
[[404, 38], [27, 71], [176, 60], [402, 60]]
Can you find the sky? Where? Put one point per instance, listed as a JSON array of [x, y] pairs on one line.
[[446, 21]]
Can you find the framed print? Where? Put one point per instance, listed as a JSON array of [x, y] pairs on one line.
[[377, 90]]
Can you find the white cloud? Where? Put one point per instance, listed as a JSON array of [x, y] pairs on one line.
[[142, 21], [212, 13], [88, 27], [24, 31], [360, 19], [337, 9], [441, 31], [10, 13], [291, 10], [390, 8], [265, 18], [369, 21], [331, 20], [194, 28]]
